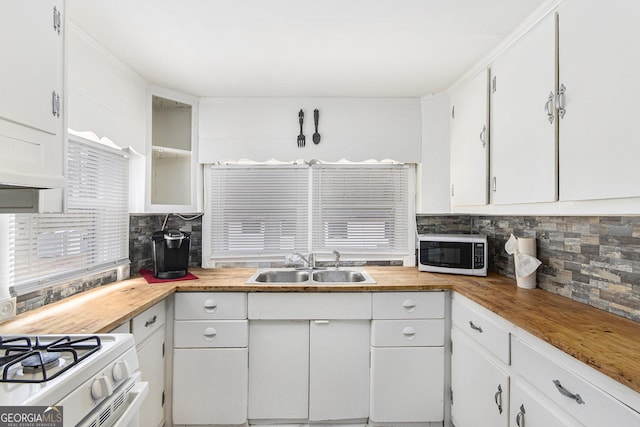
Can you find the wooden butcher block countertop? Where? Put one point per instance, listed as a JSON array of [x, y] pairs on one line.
[[609, 343]]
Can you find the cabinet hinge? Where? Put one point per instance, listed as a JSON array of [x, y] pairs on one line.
[[162, 349], [451, 346], [451, 395], [494, 184], [493, 84], [163, 398], [57, 20], [453, 112], [452, 190]]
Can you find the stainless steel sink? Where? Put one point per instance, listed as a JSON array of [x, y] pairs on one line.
[[282, 276], [334, 276], [308, 276]]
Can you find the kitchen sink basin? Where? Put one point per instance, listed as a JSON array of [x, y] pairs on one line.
[[311, 276], [333, 276], [282, 276]]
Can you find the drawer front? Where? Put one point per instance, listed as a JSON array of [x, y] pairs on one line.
[[407, 333], [310, 306], [408, 305], [210, 333], [578, 397], [210, 305], [482, 329], [147, 322]]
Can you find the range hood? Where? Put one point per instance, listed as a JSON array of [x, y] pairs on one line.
[[20, 199]]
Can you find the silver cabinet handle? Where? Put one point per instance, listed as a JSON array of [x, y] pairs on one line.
[[150, 321], [563, 391], [560, 101], [498, 398], [520, 417], [483, 135], [548, 107], [474, 327]]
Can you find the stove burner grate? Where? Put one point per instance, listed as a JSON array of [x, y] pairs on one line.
[[40, 357]]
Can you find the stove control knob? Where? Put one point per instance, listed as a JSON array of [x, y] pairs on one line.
[[120, 371], [101, 387]]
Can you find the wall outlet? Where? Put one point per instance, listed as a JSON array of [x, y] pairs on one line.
[[7, 308]]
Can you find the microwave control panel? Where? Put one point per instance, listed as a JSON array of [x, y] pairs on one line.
[[478, 255]]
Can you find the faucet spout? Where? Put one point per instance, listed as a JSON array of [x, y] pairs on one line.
[[337, 262]]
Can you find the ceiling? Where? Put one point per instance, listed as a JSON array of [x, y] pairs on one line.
[[300, 48]]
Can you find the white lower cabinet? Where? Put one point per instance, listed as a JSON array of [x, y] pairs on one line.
[[279, 369], [210, 386], [480, 389], [407, 358], [307, 370], [210, 359], [149, 330], [338, 369]]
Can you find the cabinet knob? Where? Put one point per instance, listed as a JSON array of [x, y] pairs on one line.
[[409, 332], [474, 327], [520, 417], [210, 333], [498, 398], [210, 306], [409, 305]]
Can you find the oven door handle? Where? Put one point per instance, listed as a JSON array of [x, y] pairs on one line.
[[136, 395]]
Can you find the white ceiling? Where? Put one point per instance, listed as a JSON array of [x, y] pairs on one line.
[[300, 48]]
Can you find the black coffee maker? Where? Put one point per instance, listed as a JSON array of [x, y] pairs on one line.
[[170, 253]]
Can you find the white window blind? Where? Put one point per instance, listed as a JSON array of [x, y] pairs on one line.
[[360, 209], [93, 232], [264, 212], [257, 210]]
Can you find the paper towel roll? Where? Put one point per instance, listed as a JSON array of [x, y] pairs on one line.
[[527, 246]]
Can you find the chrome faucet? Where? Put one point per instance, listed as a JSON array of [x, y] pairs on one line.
[[337, 262], [311, 260]]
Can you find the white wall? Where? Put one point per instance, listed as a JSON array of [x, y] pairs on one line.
[[267, 128], [434, 197], [104, 95]]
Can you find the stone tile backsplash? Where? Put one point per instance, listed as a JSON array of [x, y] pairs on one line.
[[591, 259]]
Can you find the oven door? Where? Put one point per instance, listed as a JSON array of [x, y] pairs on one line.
[[122, 408], [445, 257]]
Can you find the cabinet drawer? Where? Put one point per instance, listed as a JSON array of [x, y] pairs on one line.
[[210, 305], [579, 398], [309, 306], [481, 328], [407, 333], [147, 322], [210, 333], [408, 305]]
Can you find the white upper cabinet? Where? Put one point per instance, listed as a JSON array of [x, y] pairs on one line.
[[470, 142], [31, 124], [600, 131], [523, 122], [173, 171]]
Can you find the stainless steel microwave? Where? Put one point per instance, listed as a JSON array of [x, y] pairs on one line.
[[453, 253]]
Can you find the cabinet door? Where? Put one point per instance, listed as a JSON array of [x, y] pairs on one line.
[[527, 410], [599, 63], [30, 132], [480, 390], [210, 386], [278, 369], [151, 359], [407, 384], [339, 370], [523, 139], [469, 142]]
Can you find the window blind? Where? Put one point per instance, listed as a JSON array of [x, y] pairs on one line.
[[360, 209], [257, 210], [91, 235]]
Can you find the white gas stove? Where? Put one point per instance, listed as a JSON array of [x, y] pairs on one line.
[[93, 378]]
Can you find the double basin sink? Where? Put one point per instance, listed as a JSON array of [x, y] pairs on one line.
[[315, 275]]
